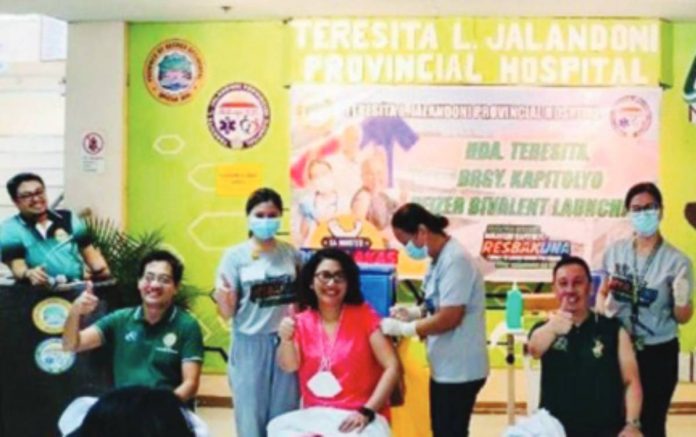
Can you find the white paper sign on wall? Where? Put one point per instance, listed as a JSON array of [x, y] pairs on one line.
[[93, 153]]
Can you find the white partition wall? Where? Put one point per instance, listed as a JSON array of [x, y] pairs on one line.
[[32, 102], [95, 103]]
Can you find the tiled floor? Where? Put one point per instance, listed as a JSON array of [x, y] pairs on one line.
[[483, 425], [495, 389], [221, 425]]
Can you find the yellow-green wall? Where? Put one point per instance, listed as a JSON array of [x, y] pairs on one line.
[[176, 191]]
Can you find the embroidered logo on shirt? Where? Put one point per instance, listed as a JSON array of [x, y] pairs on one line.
[[61, 235], [598, 349], [169, 340], [131, 336], [561, 344]]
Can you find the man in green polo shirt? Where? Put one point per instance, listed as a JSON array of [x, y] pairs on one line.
[[155, 344], [39, 243], [589, 373]]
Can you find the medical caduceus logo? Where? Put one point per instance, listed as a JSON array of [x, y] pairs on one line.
[[238, 116]]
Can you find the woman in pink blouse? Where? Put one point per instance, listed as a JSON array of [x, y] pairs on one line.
[[342, 359]]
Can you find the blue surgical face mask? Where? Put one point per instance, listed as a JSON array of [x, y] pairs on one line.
[[416, 252], [264, 228], [646, 222]]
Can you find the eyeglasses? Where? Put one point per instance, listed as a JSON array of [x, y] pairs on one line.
[[647, 207], [162, 279], [26, 196], [326, 277]]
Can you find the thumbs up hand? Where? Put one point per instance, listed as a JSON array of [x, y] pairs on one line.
[[681, 289], [561, 322], [223, 290], [87, 302], [286, 330]]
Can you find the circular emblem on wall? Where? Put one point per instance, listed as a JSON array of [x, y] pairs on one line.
[[174, 71], [92, 143], [51, 358], [238, 115], [631, 116], [50, 314]]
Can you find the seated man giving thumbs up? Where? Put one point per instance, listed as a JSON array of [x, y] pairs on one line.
[[589, 374], [155, 344]]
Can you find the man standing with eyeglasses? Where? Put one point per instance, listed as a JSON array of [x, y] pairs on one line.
[[39, 243], [155, 344]]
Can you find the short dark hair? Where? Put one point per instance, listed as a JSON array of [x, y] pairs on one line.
[[18, 179], [305, 292], [643, 187], [569, 260], [264, 195], [136, 412], [410, 215], [166, 256]]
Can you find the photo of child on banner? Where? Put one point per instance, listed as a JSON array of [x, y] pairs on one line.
[[327, 186]]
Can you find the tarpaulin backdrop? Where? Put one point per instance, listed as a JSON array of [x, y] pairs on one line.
[[524, 174]]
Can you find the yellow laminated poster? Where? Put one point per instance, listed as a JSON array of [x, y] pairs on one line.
[[238, 179]]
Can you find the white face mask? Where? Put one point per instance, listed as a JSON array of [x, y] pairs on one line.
[[324, 384]]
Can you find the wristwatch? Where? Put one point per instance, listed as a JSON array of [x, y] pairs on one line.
[[633, 422], [368, 413]]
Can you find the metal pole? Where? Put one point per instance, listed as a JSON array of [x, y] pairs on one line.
[[510, 359]]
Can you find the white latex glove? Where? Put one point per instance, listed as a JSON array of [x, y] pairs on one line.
[[610, 306], [397, 328], [406, 313], [680, 288]]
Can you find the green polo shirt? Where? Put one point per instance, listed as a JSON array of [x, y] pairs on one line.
[[58, 252], [581, 382], [150, 355]]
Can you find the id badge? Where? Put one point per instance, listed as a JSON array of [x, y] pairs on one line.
[[324, 384]]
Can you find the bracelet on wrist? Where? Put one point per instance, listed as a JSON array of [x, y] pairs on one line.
[[633, 422], [368, 413]]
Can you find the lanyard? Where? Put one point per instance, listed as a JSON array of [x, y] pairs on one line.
[[639, 275], [638, 282], [325, 363]]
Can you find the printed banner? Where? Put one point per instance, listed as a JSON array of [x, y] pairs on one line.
[[467, 50], [525, 175]]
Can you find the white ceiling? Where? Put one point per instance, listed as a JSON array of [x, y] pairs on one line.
[[188, 10]]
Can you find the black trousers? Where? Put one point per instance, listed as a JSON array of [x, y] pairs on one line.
[[658, 365], [451, 406]]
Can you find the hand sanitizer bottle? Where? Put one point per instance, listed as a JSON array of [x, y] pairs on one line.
[[513, 308]]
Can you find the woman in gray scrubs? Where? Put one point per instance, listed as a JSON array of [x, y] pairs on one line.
[[452, 321], [649, 289]]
